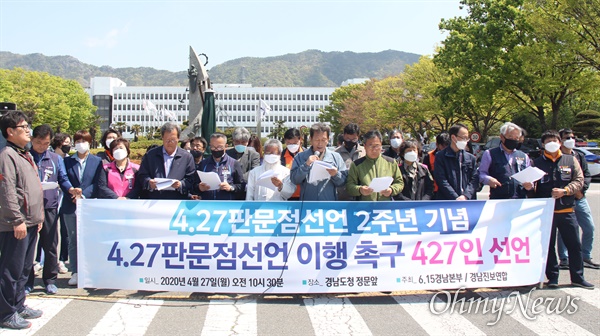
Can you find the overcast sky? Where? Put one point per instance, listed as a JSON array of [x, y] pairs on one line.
[[158, 33]]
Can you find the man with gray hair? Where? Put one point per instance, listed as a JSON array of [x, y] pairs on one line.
[[246, 156], [168, 161], [500, 163]]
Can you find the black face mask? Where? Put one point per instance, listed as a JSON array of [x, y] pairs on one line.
[[65, 149], [196, 153], [350, 145], [218, 154], [511, 144]]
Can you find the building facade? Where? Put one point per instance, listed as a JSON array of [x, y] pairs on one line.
[[236, 105]]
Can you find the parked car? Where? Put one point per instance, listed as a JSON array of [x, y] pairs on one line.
[[592, 156]]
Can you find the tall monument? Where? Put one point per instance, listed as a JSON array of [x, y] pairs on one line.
[[198, 84]]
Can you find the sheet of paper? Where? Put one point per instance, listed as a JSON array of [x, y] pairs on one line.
[[49, 185], [530, 174], [264, 180], [164, 183], [379, 184], [319, 171], [210, 178]]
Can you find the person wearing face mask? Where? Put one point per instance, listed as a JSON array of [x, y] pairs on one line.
[[393, 151], [293, 146], [442, 141], [455, 171], [83, 171], [246, 156], [233, 185], [198, 147], [283, 188], [500, 163], [350, 151], [185, 145], [563, 180], [362, 171], [61, 144], [118, 178], [107, 137], [418, 182], [582, 208]]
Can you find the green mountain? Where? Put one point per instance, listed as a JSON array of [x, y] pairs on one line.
[[308, 68]]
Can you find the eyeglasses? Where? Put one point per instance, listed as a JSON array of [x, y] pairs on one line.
[[212, 149], [462, 138], [24, 127], [374, 146], [170, 141]]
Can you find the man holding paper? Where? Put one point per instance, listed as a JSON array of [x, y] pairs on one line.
[[374, 177], [168, 171], [270, 181], [500, 163], [221, 176], [317, 170]]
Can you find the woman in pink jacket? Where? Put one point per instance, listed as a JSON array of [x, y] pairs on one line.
[[118, 179]]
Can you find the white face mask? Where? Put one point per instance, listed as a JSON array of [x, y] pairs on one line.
[[552, 147], [293, 148], [396, 142], [108, 142], [570, 144], [461, 144], [119, 154], [411, 156], [82, 147], [272, 158]]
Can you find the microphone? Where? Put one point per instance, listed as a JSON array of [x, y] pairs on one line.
[[317, 153]]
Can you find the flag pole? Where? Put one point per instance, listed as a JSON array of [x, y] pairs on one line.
[[258, 121]]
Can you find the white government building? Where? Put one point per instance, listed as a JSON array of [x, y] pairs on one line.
[[236, 104]]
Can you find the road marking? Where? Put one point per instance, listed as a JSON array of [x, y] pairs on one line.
[[589, 296], [50, 307], [231, 317], [335, 316], [127, 317], [541, 323], [445, 323]]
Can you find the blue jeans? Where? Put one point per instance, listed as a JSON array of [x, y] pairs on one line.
[[586, 223], [71, 223]]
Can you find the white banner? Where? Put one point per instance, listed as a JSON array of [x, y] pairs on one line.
[[311, 247]]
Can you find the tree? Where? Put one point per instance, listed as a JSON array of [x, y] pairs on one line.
[[501, 51], [588, 123], [62, 104], [136, 129], [278, 131]]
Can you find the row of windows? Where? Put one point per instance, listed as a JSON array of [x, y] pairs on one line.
[[152, 96], [138, 107], [272, 96], [225, 96], [269, 118], [252, 108], [142, 118]]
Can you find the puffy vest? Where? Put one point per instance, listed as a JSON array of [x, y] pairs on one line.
[[559, 175], [502, 171], [121, 184]]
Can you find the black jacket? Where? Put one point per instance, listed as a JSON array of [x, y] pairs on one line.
[[456, 174]]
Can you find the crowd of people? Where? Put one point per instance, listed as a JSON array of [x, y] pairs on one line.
[[41, 186]]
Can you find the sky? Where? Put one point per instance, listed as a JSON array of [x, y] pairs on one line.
[[158, 34]]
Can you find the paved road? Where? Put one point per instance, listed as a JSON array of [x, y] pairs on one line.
[[566, 311]]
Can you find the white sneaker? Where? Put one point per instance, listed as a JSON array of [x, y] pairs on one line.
[[37, 268], [73, 280], [62, 269]]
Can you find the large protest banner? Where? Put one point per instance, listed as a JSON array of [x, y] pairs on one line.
[[311, 247]]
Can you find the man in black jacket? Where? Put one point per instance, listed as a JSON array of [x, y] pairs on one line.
[[455, 169]]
